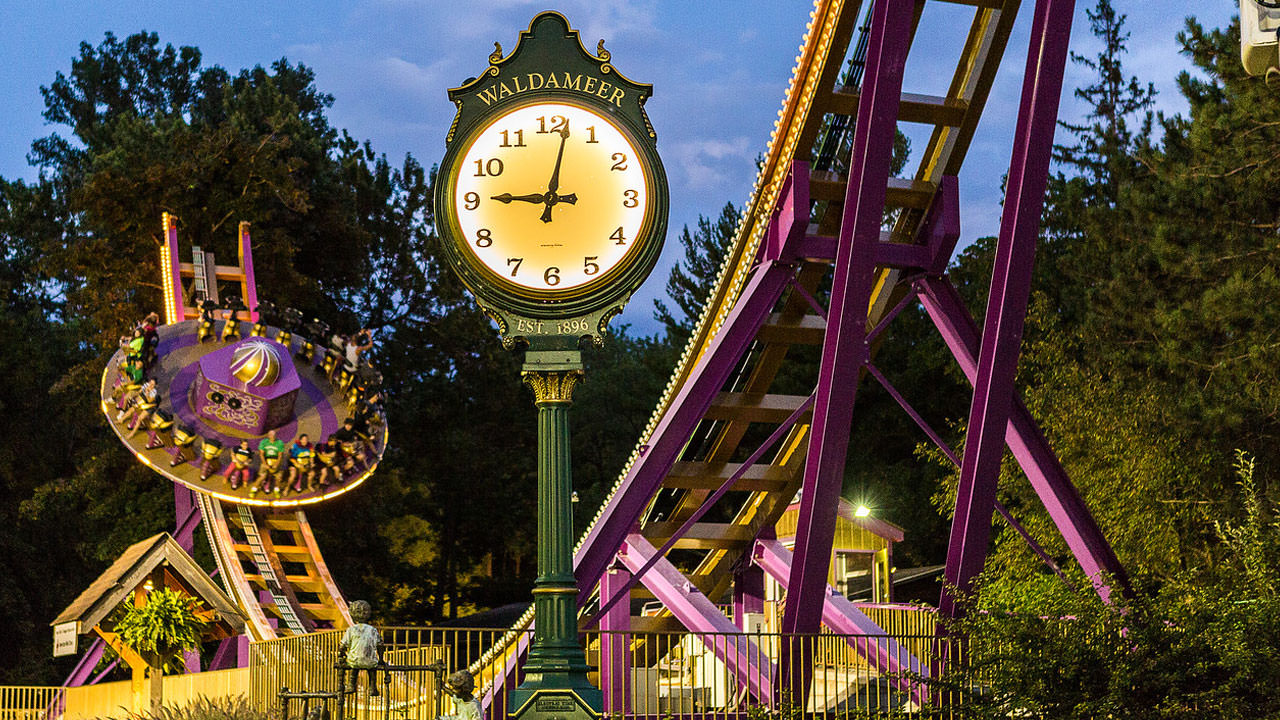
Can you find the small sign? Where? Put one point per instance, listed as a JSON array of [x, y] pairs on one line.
[[555, 704], [65, 638]]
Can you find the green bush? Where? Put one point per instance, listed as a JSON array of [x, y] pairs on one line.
[[1203, 645]]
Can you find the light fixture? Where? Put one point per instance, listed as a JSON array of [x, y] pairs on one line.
[[862, 511]]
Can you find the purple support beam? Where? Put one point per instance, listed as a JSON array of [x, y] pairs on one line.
[[778, 433], [941, 228], [791, 220], [82, 674], [1028, 444], [951, 455], [993, 389], [625, 506], [844, 348], [226, 656], [748, 595], [246, 265], [615, 641], [868, 639], [741, 656], [187, 517]]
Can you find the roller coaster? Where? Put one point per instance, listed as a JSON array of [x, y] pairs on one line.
[[731, 444], [883, 243]]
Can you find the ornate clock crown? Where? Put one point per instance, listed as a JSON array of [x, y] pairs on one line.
[[550, 41]]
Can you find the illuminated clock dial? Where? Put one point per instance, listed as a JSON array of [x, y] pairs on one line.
[[551, 198]]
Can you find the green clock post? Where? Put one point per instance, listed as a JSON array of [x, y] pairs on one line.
[[552, 204]]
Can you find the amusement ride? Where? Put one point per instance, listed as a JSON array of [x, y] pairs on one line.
[[253, 412]]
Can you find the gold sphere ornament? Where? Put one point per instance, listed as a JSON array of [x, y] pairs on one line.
[[257, 362]]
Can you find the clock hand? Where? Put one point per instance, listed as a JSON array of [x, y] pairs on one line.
[[508, 198], [554, 183]]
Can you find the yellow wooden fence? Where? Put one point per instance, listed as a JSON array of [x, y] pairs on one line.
[[114, 699]]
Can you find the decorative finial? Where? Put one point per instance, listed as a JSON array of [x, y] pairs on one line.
[[496, 55], [601, 52]]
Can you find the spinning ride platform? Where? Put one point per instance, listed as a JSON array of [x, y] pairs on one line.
[[198, 389]]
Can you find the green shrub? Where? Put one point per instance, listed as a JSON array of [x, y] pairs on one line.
[[167, 623]]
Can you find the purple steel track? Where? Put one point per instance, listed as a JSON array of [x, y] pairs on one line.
[[623, 511]]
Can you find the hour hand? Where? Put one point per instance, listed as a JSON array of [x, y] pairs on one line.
[[571, 199], [507, 198]]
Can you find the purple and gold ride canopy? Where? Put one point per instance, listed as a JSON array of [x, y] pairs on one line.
[[246, 388], [201, 385]]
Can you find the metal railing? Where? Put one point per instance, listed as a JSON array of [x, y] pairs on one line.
[[25, 702], [649, 674], [305, 669]]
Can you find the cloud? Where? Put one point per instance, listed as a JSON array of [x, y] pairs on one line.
[[709, 164]]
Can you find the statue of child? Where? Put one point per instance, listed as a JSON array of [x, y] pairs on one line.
[[359, 647], [460, 687]]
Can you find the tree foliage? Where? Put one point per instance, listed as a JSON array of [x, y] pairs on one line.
[[693, 278], [1199, 646]]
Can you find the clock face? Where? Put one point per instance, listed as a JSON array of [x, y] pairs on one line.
[[550, 198]]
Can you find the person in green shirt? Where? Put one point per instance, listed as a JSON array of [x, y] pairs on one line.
[[270, 447], [271, 454]]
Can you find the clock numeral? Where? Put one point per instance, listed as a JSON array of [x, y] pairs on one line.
[[617, 235], [492, 167], [589, 267], [484, 238], [472, 200], [551, 276], [619, 163], [506, 139], [591, 134], [516, 262], [630, 198], [557, 124]]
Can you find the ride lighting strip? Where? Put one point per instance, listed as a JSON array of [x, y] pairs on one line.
[[169, 271]]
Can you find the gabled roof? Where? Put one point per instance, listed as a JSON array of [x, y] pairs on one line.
[[883, 528], [131, 571], [846, 512]]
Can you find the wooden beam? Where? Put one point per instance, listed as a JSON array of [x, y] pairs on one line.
[[754, 407], [914, 107], [804, 330], [658, 624], [914, 194], [701, 536], [710, 476]]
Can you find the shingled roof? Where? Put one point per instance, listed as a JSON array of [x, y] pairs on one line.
[[132, 569]]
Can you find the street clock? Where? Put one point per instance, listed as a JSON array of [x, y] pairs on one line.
[[551, 200]]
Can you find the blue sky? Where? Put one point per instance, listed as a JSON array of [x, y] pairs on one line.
[[719, 70]]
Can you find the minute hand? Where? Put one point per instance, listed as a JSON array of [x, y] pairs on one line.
[[554, 183]]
